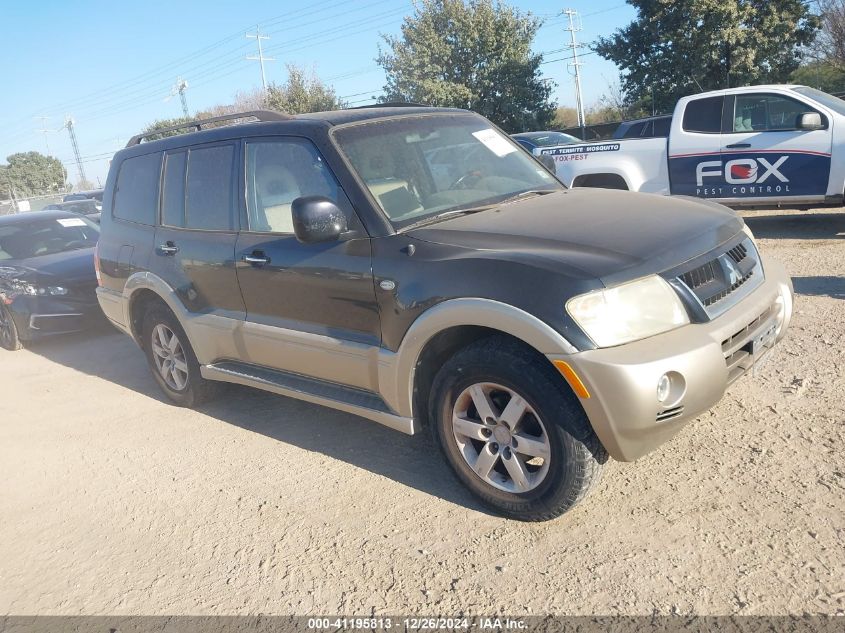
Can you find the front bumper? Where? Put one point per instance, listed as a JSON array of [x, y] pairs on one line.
[[37, 317], [702, 360]]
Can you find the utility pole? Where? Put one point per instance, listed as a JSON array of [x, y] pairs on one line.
[[574, 46], [69, 127], [44, 131], [258, 37]]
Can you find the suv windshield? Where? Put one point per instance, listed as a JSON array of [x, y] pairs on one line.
[[46, 237], [420, 167]]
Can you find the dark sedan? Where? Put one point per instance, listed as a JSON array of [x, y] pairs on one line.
[[47, 277], [533, 140]]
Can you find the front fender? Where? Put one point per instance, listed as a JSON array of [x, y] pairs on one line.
[[396, 370]]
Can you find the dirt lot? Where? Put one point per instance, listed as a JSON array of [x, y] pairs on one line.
[[114, 502]]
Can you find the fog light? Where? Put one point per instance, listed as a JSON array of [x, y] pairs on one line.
[[664, 388]]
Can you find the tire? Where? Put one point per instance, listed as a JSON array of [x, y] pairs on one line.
[[9, 337], [556, 458], [181, 381]]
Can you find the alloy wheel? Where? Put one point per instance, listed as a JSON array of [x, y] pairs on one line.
[[501, 437], [169, 357], [6, 335]]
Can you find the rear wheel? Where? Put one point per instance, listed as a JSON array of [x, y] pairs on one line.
[[513, 432], [172, 360], [9, 338]]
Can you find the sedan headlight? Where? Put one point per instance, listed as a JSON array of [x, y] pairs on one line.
[[629, 312], [25, 288]]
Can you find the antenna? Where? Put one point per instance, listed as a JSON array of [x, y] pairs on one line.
[[575, 25], [258, 37]]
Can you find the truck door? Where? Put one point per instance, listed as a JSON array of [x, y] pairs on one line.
[[695, 144], [765, 154]]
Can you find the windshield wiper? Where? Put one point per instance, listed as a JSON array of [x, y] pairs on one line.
[[526, 194], [449, 214]]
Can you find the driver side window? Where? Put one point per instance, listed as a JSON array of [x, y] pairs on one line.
[[277, 173], [767, 113]]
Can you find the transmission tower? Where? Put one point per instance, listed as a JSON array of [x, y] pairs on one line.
[[45, 131], [258, 37], [179, 88], [574, 27], [69, 127]]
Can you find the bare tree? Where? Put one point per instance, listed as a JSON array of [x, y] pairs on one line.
[[830, 43]]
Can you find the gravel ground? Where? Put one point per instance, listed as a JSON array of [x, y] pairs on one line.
[[114, 502]]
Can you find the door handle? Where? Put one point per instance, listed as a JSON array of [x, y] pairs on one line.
[[739, 146], [256, 259], [168, 248]]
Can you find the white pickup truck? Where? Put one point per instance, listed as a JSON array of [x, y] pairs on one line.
[[755, 146]]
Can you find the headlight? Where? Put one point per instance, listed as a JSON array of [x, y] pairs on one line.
[[748, 232], [24, 288], [629, 312]]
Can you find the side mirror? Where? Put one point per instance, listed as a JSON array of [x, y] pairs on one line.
[[548, 162], [317, 219], [810, 121]]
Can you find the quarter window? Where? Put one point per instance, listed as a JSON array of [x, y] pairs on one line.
[[173, 196], [210, 191], [136, 195], [279, 172], [704, 115], [767, 113]]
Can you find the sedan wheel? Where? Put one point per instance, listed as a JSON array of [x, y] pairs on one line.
[[8, 332]]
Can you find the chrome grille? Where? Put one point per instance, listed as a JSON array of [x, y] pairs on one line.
[[738, 349], [719, 279]]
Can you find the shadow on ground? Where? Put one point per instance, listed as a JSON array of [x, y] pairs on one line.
[[798, 226], [833, 287], [412, 461]]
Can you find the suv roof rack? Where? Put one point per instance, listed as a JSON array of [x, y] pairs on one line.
[[260, 115], [392, 104]]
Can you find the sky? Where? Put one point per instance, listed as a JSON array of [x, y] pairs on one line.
[[111, 66]]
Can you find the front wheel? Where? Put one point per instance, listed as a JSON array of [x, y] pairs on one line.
[[9, 338], [513, 432]]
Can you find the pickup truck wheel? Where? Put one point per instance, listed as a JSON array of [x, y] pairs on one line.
[[172, 360], [512, 432], [9, 338]]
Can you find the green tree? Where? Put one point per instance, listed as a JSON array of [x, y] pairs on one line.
[[32, 173], [679, 47], [302, 93], [470, 54], [823, 75]]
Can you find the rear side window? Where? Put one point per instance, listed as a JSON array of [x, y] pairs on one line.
[[704, 115], [173, 196], [662, 127], [210, 190], [136, 195]]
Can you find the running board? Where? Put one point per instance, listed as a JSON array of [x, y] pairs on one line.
[[357, 401]]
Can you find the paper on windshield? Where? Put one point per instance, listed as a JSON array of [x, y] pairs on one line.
[[494, 141], [67, 222]]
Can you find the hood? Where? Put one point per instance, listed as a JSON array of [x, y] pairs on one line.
[[613, 236], [68, 268]]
